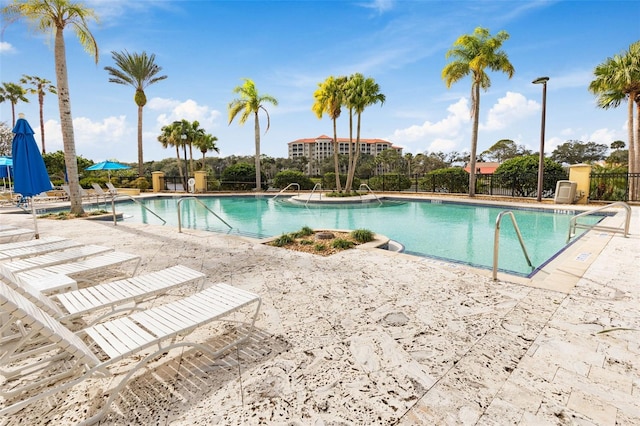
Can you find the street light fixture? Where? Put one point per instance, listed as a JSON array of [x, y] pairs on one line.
[[543, 81]]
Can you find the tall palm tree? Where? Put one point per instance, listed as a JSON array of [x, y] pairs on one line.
[[39, 86], [54, 16], [329, 99], [195, 133], [250, 102], [617, 79], [360, 92], [205, 143], [13, 93], [137, 70], [472, 54]]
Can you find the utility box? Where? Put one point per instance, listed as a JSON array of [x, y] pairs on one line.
[[157, 181], [581, 174], [201, 181], [565, 192]]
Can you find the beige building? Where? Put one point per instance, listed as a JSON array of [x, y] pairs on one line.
[[317, 149]]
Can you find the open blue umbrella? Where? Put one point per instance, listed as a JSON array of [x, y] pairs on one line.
[[30, 175], [108, 166]]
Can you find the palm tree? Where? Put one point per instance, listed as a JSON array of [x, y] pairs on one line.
[[472, 54], [139, 71], [13, 93], [171, 136], [54, 16], [360, 92], [39, 86], [206, 142], [329, 99], [250, 102], [617, 79]]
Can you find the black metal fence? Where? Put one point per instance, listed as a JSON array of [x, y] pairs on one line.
[[615, 187], [604, 186]]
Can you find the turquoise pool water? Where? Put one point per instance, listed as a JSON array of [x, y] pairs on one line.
[[444, 230]]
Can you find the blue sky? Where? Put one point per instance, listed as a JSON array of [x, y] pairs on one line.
[[206, 48]]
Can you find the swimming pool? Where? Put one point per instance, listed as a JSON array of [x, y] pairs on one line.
[[446, 230]]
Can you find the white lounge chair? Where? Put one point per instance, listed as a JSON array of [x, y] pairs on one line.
[[72, 358], [100, 192], [62, 277], [112, 189], [22, 249], [83, 193], [15, 233], [54, 258], [116, 295]]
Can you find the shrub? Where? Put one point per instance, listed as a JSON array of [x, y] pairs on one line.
[[390, 182], [141, 183], [362, 235], [449, 180], [319, 247], [339, 243], [240, 176], [521, 174], [304, 232], [283, 240], [329, 181], [286, 177]]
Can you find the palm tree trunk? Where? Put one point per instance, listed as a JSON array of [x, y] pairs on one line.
[[474, 140], [356, 155], [180, 164], [140, 157], [257, 136], [41, 103], [336, 165], [634, 188], [347, 186], [190, 158], [66, 124]]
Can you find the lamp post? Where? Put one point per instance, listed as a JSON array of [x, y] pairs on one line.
[[543, 81]]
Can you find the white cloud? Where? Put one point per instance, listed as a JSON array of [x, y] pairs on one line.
[[189, 110], [446, 129], [379, 6], [443, 145], [6, 47], [510, 108]]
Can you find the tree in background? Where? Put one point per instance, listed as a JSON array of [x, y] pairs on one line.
[[38, 87], [576, 152], [6, 139], [329, 98], [137, 70], [521, 173], [360, 93], [617, 79], [171, 136], [472, 54], [206, 143], [54, 16], [250, 103], [503, 150], [620, 156], [13, 93]]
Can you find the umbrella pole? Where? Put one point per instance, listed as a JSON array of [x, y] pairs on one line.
[[35, 220]]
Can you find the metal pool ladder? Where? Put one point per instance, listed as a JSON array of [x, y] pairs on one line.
[[317, 185], [203, 205], [496, 240], [573, 224], [371, 191]]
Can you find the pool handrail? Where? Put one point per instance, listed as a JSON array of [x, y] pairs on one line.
[[573, 224], [287, 187], [317, 185], [203, 205], [371, 191], [113, 207], [496, 241]]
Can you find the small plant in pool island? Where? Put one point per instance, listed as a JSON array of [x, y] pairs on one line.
[[340, 243], [283, 240], [319, 247], [304, 232], [362, 235]]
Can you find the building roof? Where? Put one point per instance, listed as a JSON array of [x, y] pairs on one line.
[[344, 140], [484, 168]]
